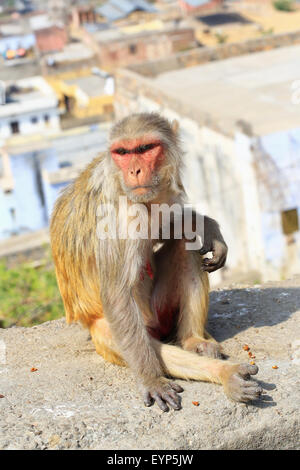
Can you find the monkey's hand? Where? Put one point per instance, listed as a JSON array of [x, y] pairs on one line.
[[164, 393], [214, 242]]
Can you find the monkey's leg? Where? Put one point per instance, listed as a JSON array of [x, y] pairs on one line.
[[191, 294], [104, 343], [235, 378], [194, 305]]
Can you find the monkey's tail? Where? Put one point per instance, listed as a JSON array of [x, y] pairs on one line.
[[182, 364]]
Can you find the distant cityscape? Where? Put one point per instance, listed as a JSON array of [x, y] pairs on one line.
[[226, 70]]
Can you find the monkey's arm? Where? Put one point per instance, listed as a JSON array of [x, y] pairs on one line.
[[214, 242], [123, 310]]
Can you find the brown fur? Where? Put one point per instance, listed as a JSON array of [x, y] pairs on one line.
[[103, 286]]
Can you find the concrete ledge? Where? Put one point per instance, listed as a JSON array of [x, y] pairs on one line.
[[76, 400]]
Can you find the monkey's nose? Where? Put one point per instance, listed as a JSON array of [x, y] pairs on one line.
[[136, 172]]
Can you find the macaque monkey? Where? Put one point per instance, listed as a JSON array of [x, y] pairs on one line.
[[145, 301]]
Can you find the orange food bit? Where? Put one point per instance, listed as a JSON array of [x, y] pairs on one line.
[[196, 403], [33, 369], [274, 367], [252, 363], [246, 347]]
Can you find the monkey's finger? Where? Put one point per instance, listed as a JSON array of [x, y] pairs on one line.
[[172, 399], [205, 249], [176, 387], [213, 264], [163, 406], [148, 400], [217, 258]]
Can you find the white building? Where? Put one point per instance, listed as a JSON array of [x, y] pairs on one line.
[[33, 170], [28, 106], [240, 127]]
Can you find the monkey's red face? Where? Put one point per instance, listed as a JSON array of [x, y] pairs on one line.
[[138, 159]]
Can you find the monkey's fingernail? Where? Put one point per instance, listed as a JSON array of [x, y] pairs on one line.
[[177, 387], [148, 403]]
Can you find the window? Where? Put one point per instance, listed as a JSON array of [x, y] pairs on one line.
[[34, 120], [65, 164], [290, 221], [15, 127], [46, 119], [132, 49]]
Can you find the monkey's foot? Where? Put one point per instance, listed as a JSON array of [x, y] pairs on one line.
[[164, 393], [203, 347], [239, 387]]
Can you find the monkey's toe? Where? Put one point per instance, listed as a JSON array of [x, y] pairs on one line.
[[203, 347], [209, 349], [240, 387]]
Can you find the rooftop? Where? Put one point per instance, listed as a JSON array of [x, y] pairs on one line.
[[116, 9], [27, 95], [71, 53], [77, 146], [256, 88], [152, 30], [92, 85]]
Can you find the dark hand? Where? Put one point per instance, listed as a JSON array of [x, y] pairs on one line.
[[213, 242], [164, 393], [219, 251]]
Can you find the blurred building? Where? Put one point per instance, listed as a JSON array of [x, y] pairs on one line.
[[115, 10], [52, 39], [74, 57], [17, 42], [240, 124], [124, 46], [84, 94], [37, 158], [33, 170], [199, 6], [27, 106]]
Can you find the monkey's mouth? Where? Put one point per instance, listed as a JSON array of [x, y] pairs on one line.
[[142, 189]]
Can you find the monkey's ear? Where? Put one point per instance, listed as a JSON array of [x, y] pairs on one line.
[[175, 126]]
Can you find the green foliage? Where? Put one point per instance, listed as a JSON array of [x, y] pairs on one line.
[[267, 32], [283, 5], [28, 295], [221, 38]]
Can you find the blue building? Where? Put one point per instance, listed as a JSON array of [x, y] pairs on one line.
[[35, 169]]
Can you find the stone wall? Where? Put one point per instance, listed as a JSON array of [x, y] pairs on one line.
[[138, 48], [130, 87], [76, 400], [202, 55]]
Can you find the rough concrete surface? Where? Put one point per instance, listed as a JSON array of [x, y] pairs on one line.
[[75, 400]]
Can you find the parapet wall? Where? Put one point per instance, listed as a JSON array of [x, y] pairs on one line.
[[133, 89], [202, 55]]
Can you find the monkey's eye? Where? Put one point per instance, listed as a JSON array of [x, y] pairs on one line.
[[121, 151], [145, 148]]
